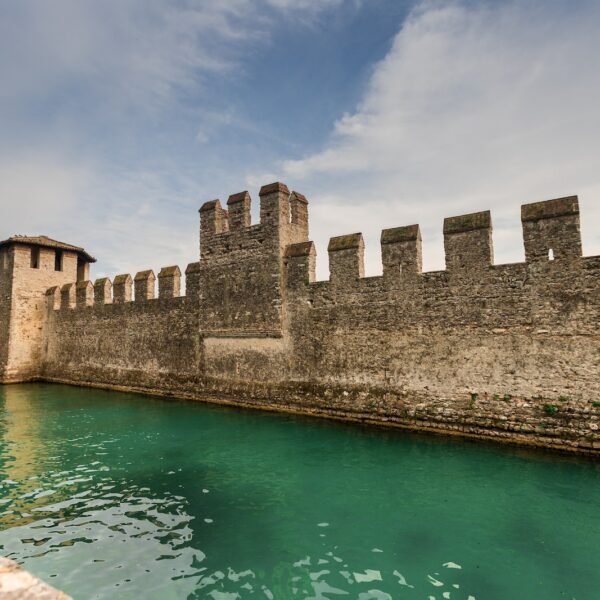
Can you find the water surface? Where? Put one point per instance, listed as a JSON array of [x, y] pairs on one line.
[[111, 495]]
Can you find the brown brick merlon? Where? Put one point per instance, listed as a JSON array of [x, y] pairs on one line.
[[67, 296], [169, 282], [239, 210], [84, 293], [470, 222], [239, 197], [103, 291], [273, 188], [144, 285], [299, 197], [122, 288], [123, 279], [346, 258], [548, 209], [345, 242], [144, 275], [194, 267], [410, 233], [210, 205], [173, 271], [301, 249]]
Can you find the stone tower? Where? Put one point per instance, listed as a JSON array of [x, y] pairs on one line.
[[241, 265], [28, 267]]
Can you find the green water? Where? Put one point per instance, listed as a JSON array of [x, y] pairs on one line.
[[109, 495]]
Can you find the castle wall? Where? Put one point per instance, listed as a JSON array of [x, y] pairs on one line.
[[95, 337], [478, 348], [510, 352]]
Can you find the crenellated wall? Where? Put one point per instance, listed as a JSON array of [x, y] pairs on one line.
[[510, 352], [122, 333], [241, 265]]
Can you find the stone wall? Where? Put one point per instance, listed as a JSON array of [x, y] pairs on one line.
[[241, 265], [507, 351], [5, 306], [510, 352], [22, 300], [148, 343]]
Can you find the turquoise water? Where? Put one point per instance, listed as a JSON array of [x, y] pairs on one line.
[[110, 495]]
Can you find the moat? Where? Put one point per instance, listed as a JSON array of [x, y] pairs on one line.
[[112, 495]]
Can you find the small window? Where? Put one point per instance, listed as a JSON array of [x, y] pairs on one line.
[[550, 254], [35, 258], [58, 260]]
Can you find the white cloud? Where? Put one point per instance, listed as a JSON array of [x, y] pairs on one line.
[[38, 193], [140, 221], [131, 51], [476, 106], [115, 60]]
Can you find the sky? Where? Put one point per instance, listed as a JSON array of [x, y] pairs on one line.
[[120, 118]]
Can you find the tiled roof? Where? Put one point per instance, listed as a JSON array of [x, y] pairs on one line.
[[46, 242]]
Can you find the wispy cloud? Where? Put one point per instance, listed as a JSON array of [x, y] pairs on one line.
[[476, 105], [37, 190], [89, 91], [113, 125]]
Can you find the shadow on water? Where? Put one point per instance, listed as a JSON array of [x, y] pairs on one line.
[[117, 495]]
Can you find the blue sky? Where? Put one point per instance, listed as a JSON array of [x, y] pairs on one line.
[[119, 118]]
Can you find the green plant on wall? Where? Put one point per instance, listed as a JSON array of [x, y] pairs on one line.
[[550, 409]]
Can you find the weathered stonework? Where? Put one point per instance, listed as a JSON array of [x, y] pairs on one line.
[[28, 267], [507, 352], [18, 584]]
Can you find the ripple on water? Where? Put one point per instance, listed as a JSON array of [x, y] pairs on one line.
[[117, 496]]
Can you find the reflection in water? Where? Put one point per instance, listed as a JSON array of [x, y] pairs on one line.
[[319, 579], [108, 495], [118, 530], [23, 450]]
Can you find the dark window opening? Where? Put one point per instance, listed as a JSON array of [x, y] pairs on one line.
[[35, 258], [82, 270], [58, 261]]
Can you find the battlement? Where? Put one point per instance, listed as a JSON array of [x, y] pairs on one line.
[[235, 253], [346, 258], [124, 289], [551, 231], [401, 252], [441, 349], [283, 220]]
